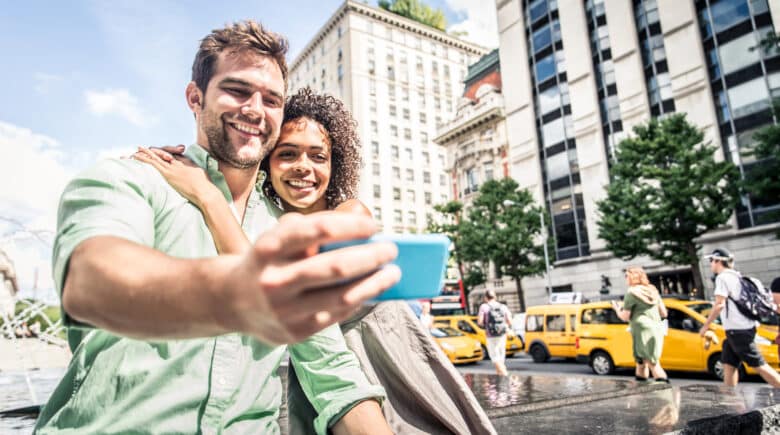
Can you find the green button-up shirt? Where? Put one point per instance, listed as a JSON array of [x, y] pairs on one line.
[[227, 384]]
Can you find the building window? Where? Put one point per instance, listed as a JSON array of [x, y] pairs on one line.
[[428, 198], [396, 194], [407, 134], [375, 169], [426, 177], [409, 154], [410, 195], [410, 175], [396, 173], [424, 137], [394, 131], [426, 157], [391, 93], [375, 148], [406, 114], [392, 110], [394, 152], [423, 118], [374, 127], [377, 191], [412, 217], [398, 217], [377, 213]]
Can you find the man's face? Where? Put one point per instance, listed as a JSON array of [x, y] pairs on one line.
[[242, 109]]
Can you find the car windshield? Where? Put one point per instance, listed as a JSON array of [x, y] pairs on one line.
[[445, 332], [703, 308]]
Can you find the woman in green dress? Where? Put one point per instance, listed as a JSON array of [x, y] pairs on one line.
[[644, 310]]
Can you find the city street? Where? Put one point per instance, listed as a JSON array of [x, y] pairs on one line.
[[524, 365]]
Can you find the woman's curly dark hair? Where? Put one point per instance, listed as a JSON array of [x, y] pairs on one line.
[[345, 159]]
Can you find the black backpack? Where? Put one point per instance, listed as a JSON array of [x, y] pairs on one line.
[[755, 301], [496, 322]]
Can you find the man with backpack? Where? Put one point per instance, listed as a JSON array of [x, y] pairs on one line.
[[744, 300], [495, 318]]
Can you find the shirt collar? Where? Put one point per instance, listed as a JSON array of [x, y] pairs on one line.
[[201, 157]]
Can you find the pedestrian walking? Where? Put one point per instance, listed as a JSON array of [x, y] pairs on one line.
[[495, 318], [645, 311], [732, 290]]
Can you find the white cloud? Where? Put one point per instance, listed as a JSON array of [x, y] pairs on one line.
[[43, 82], [118, 102], [480, 22], [32, 175]]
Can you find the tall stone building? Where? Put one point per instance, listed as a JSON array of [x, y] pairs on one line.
[[476, 144], [401, 80], [577, 79]]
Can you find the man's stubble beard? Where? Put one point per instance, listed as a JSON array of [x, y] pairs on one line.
[[223, 150]]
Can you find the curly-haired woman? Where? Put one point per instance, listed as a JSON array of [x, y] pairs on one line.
[[315, 166]]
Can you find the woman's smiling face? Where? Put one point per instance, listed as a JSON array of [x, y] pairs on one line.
[[299, 165]]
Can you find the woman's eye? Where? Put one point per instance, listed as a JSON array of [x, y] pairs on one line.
[[272, 103], [320, 158]]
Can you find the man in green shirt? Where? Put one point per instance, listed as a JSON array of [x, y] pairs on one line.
[[170, 338]]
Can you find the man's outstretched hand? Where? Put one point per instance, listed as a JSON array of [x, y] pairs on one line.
[[283, 290]]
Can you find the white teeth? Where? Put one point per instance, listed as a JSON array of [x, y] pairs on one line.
[[246, 129], [300, 183]]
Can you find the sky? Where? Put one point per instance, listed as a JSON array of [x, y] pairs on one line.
[[84, 80]]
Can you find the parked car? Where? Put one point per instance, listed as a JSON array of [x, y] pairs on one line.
[[459, 348], [604, 341], [550, 331], [518, 326], [468, 325]]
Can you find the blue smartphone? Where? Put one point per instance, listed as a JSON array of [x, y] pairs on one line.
[[422, 259]]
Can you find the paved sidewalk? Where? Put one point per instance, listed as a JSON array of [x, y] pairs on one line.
[[31, 353]]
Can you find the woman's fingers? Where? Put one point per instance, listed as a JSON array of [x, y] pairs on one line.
[[162, 154]]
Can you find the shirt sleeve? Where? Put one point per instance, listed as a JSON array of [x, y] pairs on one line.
[[629, 301], [106, 200], [331, 377], [721, 287]]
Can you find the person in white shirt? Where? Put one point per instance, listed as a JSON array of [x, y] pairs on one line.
[[740, 342], [495, 318]]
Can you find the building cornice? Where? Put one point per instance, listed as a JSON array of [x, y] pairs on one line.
[[469, 124], [389, 18]]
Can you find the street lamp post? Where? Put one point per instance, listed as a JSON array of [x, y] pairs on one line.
[[510, 203]]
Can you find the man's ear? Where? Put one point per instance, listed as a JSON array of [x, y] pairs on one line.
[[194, 98]]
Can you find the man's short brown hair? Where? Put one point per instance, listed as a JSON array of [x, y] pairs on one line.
[[237, 37]]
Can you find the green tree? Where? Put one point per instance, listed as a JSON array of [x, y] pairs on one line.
[[762, 181], [446, 221], [502, 234], [417, 11], [666, 191]]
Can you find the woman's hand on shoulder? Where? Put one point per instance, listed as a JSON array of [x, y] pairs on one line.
[[181, 173], [354, 205]]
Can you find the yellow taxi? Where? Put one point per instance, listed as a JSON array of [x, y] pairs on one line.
[[468, 326], [459, 348], [604, 341], [550, 331]]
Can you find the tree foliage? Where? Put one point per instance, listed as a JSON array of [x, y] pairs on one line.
[[417, 11], [447, 221], [762, 181], [505, 235], [666, 191]]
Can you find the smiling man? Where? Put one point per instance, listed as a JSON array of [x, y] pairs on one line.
[[167, 336]]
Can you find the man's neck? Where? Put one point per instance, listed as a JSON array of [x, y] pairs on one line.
[[241, 182]]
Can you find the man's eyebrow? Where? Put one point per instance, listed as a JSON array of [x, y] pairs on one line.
[[244, 83]]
